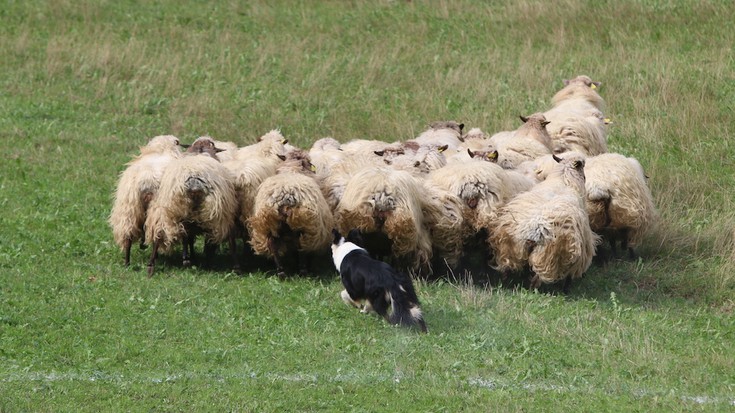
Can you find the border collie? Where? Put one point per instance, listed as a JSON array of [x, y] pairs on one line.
[[374, 282]]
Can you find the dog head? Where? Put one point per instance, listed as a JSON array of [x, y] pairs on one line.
[[342, 246], [355, 237]]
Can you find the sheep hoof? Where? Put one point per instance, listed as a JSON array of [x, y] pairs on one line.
[[281, 274], [150, 271]]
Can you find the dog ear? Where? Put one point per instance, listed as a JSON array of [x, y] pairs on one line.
[[337, 236], [355, 237]]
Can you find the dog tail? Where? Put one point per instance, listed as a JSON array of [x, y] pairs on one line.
[[406, 311]]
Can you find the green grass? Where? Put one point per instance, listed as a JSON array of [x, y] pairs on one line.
[[84, 84]]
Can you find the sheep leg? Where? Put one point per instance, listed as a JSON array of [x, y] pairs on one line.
[[303, 263], [273, 250], [535, 282], [567, 285], [209, 251], [126, 247], [152, 261], [185, 247], [233, 253]]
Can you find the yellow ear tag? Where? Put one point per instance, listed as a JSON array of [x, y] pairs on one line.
[[593, 86], [313, 168], [608, 121]]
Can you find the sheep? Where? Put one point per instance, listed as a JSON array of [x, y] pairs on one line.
[[421, 161], [442, 133], [196, 195], [136, 188], [290, 214], [333, 180], [528, 142], [547, 228], [444, 218], [581, 87], [386, 206], [619, 203], [482, 187], [576, 121], [250, 166]]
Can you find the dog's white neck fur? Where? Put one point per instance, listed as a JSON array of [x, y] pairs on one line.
[[339, 252]]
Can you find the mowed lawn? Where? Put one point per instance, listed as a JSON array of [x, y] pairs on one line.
[[85, 83]]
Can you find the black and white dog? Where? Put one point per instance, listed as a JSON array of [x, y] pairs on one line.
[[376, 283]]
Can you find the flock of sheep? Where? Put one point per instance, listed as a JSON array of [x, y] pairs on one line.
[[541, 197]]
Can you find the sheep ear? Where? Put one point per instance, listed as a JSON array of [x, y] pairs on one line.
[[556, 158], [312, 168], [284, 142], [281, 157], [443, 148], [595, 85], [379, 153], [417, 164], [546, 122], [461, 126], [469, 152], [524, 118], [218, 150], [493, 156]]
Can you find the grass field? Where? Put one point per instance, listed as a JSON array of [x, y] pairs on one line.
[[85, 83]]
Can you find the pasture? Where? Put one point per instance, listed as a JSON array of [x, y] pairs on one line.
[[85, 83]]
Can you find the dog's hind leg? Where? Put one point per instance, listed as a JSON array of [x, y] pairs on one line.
[[348, 300], [380, 303]]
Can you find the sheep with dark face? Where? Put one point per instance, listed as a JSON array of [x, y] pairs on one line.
[[290, 214], [547, 228], [137, 187], [196, 196]]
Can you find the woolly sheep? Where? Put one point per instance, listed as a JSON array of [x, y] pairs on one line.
[[547, 228], [576, 121], [619, 203], [291, 214], [387, 207], [421, 161], [251, 165], [196, 195], [442, 133], [528, 142], [136, 188]]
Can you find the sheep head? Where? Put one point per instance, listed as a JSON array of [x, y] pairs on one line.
[[582, 80]]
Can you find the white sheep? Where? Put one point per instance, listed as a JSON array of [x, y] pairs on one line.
[[576, 120], [290, 214], [528, 142], [442, 133], [387, 207], [581, 87], [547, 228], [619, 203], [250, 166], [196, 196], [136, 188]]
